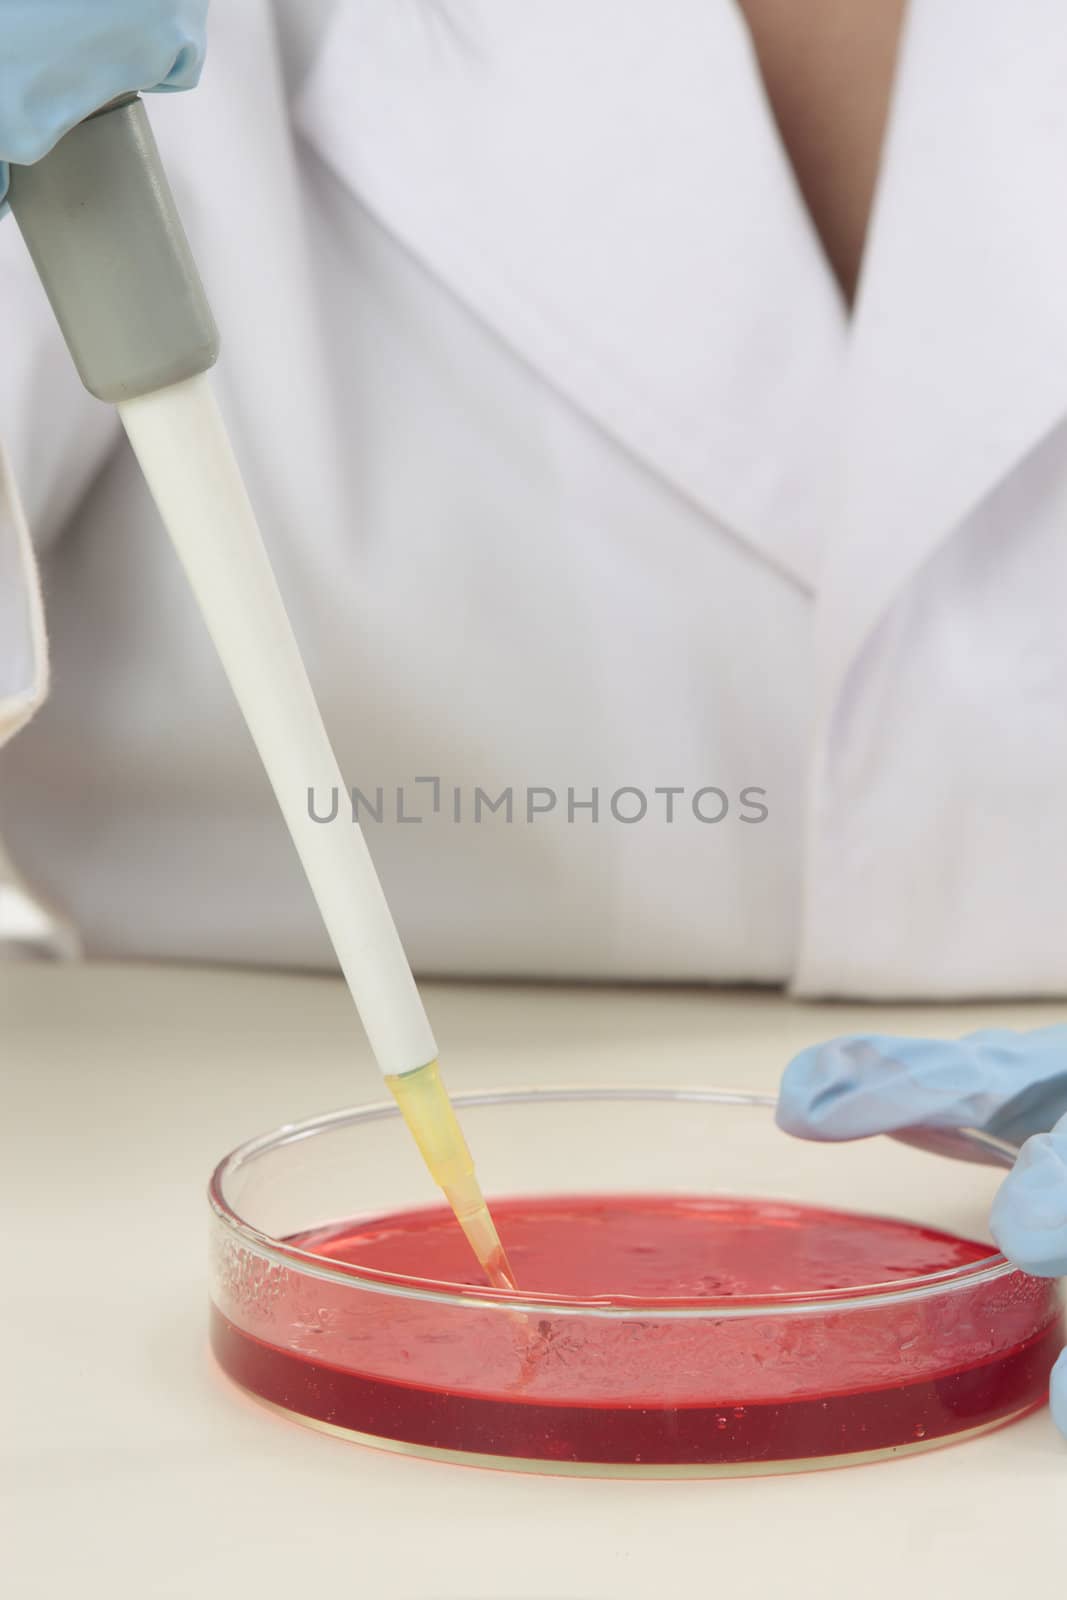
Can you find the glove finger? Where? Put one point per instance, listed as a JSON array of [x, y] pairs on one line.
[[851, 1087], [184, 69], [1029, 1215], [183, 36], [1036, 1108]]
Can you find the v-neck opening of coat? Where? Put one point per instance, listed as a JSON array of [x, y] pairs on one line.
[[644, 248], [801, 127]]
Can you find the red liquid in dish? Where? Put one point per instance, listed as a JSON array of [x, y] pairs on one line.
[[541, 1385]]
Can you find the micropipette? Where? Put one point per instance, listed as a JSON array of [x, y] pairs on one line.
[[101, 226]]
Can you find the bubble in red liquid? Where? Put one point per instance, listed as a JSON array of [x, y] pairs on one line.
[[541, 1385]]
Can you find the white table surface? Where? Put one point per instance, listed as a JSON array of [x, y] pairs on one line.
[[132, 1468]]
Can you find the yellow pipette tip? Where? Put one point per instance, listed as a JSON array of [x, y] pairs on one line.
[[474, 1218], [429, 1114]]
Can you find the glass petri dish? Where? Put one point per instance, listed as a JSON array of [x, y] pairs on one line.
[[709, 1381]]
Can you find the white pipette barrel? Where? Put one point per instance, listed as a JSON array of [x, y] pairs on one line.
[[184, 452]]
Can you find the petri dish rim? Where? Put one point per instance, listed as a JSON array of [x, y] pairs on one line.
[[985, 1148]]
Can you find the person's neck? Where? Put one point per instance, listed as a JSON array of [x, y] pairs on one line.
[[828, 67]]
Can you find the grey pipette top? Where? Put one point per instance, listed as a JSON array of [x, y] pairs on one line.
[[101, 225]]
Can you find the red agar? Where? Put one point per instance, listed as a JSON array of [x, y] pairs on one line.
[[551, 1387]]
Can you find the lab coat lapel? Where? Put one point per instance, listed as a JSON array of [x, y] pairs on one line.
[[958, 359], [603, 185]]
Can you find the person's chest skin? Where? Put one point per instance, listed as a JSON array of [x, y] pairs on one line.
[[828, 68]]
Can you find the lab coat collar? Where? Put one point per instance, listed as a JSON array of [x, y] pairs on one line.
[[604, 186], [957, 362]]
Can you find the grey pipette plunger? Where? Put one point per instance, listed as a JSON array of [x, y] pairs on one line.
[[100, 223]]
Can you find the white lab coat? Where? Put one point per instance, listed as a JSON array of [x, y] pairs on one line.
[[577, 475]]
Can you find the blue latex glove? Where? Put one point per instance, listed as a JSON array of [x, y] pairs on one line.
[[1013, 1085], [60, 60]]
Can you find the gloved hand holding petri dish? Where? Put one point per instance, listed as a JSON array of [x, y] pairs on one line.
[[1008, 1084]]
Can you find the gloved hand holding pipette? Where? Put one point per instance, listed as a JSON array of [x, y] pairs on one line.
[[1012, 1085], [61, 60]]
